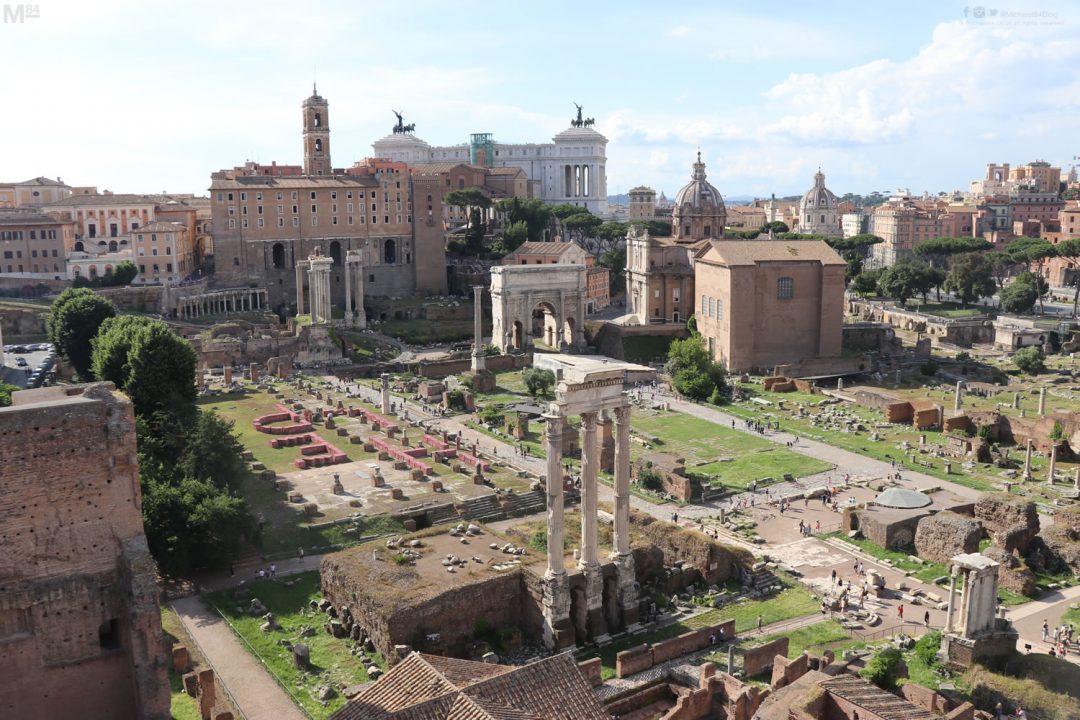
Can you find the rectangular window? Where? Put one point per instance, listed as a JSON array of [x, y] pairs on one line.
[[153, 251], [312, 194], [259, 210], [243, 197], [333, 220], [258, 196], [281, 222], [260, 223], [294, 195], [168, 267], [314, 208], [232, 223], [244, 223], [719, 309], [785, 288], [142, 268], [280, 196], [333, 195], [296, 222]]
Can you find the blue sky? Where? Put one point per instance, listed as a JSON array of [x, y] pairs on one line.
[[140, 96]]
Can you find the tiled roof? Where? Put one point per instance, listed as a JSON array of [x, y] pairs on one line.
[[292, 181], [437, 168], [505, 171], [875, 700], [543, 248], [462, 673], [114, 199], [28, 217], [428, 687], [750, 252]]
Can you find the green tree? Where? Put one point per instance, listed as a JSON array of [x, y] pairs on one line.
[[161, 373], [866, 282], [883, 668], [514, 236], [567, 210], [691, 325], [1057, 433], [969, 277], [615, 261], [535, 213], [658, 228], [937, 251], [538, 381], [1031, 251], [214, 452], [191, 524], [776, 226], [692, 371], [582, 225], [74, 318], [124, 272], [905, 280], [5, 393], [1030, 360], [1001, 265], [1070, 250], [110, 347], [1018, 297]]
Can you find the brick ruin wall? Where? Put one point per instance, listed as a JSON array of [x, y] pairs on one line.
[[80, 624], [499, 602]]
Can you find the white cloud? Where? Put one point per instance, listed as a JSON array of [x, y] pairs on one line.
[[678, 31]]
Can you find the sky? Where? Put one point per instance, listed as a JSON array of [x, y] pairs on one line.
[[154, 95]]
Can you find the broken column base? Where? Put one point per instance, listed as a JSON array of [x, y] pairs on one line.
[[558, 630]]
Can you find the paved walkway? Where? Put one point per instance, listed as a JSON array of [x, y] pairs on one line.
[[253, 690], [1028, 618]]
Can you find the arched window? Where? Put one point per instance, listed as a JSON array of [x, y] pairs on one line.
[[318, 144], [278, 252], [79, 246], [335, 252], [318, 120], [112, 246], [236, 261], [785, 288], [389, 252], [708, 231]]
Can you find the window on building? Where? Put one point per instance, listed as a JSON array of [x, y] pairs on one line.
[[785, 288], [719, 309]]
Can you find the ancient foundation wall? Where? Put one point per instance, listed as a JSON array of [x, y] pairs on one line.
[[80, 626], [758, 659]]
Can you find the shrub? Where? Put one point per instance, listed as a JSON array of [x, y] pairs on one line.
[[491, 415], [926, 649], [456, 400], [986, 432], [1058, 431], [883, 667], [929, 368], [651, 480], [1030, 360]]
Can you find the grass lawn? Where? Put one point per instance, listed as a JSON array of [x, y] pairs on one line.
[[884, 450], [182, 705], [425, 332], [790, 603], [946, 309], [242, 409], [701, 443], [646, 348], [926, 572], [333, 664]]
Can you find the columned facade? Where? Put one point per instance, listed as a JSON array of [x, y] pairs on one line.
[[222, 302], [588, 388], [319, 280], [354, 289]]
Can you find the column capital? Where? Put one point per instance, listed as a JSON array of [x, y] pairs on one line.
[[554, 424], [622, 413], [588, 421]]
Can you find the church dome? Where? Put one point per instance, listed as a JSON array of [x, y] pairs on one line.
[[819, 197], [699, 194]]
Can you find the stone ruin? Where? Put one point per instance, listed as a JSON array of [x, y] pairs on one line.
[[974, 629], [944, 535]]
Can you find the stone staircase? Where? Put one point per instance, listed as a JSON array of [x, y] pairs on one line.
[[488, 508], [763, 580]]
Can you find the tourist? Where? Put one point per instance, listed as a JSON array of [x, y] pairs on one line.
[[1020, 714], [817, 526], [833, 579], [301, 549], [1045, 630], [900, 612], [273, 570], [926, 619], [712, 639], [760, 623]]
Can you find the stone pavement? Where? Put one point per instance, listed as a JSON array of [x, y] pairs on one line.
[[254, 692], [1028, 618]]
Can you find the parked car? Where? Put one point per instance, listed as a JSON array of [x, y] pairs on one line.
[[21, 362]]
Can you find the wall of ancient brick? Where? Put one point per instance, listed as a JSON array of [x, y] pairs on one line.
[[79, 619], [757, 659], [642, 657]]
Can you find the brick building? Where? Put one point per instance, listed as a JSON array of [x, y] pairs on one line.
[[761, 304], [265, 222], [33, 244], [34, 192], [80, 624], [902, 224]]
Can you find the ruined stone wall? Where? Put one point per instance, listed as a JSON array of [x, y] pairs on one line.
[[499, 602], [716, 562], [80, 624], [941, 537], [758, 659]]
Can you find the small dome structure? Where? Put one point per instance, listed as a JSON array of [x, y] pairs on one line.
[[903, 499]]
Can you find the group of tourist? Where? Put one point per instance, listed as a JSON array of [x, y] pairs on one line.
[[1059, 639], [760, 427]]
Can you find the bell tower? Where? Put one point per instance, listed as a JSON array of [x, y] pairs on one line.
[[316, 135]]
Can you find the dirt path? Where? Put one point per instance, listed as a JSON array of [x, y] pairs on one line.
[[254, 691]]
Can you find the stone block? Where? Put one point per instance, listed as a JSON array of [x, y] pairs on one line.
[[311, 509], [397, 494], [191, 683], [295, 496], [181, 659], [301, 656]]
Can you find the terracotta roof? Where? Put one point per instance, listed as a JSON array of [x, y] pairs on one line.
[[505, 171], [874, 700], [428, 687], [29, 217], [543, 248], [292, 181], [751, 252], [438, 168], [158, 226]]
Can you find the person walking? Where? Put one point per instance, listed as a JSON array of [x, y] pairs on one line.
[[900, 612], [760, 623], [1045, 630], [926, 619]]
